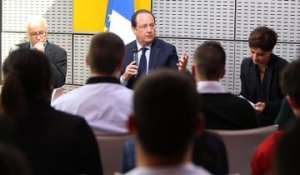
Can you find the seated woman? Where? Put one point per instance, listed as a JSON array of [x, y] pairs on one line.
[[53, 142], [260, 75]]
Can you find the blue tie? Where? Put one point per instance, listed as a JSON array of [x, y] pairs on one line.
[[143, 62]]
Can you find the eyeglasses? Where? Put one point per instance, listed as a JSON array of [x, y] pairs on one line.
[[145, 26], [35, 34]]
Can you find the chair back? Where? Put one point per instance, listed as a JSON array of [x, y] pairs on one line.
[[241, 145], [110, 148]]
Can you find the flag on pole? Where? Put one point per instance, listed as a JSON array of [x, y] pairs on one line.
[[118, 16]]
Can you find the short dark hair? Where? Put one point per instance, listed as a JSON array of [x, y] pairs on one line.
[[106, 52], [290, 81], [27, 77], [133, 18], [165, 106], [209, 59], [263, 37]]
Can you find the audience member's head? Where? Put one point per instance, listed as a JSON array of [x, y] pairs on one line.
[[166, 115], [287, 155], [209, 59], [106, 53], [27, 79], [36, 29], [290, 85], [143, 26]]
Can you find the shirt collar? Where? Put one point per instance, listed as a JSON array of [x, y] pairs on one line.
[[140, 46], [210, 87], [93, 80]]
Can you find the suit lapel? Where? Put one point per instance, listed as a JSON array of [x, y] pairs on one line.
[[269, 77], [254, 79], [154, 55], [48, 50]]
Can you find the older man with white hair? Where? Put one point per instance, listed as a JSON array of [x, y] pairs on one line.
[[36, 29]]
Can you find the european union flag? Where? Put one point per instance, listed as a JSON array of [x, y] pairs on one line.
[[108, 14], [118, 16]]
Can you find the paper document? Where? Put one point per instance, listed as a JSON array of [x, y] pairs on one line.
[[250, 102]]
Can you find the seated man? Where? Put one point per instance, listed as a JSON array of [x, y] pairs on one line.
[[164, 136], [37, 29], [103, 101], [147, 52], [222, 109]]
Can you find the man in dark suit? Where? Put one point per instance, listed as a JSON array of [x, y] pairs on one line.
[[36, 29], [222, 109], [147, 52], [260, 75]]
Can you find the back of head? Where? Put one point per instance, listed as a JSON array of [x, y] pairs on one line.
[[106, 52], [263, 38], [165, 106], [209, 59], [290, 81], [27, 78]]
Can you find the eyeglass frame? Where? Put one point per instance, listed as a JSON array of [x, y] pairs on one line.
[[145, 26], [36, 34]]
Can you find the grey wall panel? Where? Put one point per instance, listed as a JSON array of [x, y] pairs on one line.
[[194, 18], [281, 15], [58, 13], [9, 40], [241, 52], [288, 51], [81, 70]]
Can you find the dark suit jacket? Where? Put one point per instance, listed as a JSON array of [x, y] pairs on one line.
[[162, 54], [227, 111], [58, 60], [54, 142], [250, 84]]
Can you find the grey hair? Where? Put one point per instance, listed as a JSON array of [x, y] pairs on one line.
[[36, 20]]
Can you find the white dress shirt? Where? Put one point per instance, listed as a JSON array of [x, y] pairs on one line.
[[210, 87], [184, 169], [105, 106]]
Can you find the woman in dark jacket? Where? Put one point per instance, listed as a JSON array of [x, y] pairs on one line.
[[52, 142]]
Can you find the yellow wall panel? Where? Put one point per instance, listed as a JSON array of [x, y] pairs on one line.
[[142, 4], [89, 15]]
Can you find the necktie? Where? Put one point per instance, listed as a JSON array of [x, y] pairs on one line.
[[143, 62]]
